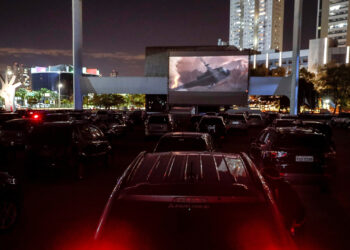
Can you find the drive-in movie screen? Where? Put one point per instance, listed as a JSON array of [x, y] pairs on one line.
[[222, 79]]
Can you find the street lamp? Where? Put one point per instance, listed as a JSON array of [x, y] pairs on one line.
[[60, 85]]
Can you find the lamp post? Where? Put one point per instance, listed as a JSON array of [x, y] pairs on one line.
[[60, 85], [298, 8]]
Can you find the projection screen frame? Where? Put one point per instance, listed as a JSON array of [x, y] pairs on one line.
[[208, 98]]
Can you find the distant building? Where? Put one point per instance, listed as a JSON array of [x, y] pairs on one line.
[[256, 24], [50, 77], [114, 73], [22, 74], [333, 21]]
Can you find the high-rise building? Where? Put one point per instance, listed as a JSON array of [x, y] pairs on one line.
[[256, 24], [333, 21]]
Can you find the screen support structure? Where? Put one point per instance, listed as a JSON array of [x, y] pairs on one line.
[[77, 52], [298, 8]]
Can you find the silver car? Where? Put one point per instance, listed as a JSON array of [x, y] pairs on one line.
[[159, 124]]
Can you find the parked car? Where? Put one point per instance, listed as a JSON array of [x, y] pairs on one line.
[[342, 120], [317, 126], [10, 201], [300, 155], [255, 120], [193, 200], [195, 119], [6, 116], [279, 123], [112, 124], [159, 124], [185, 141], [214, 125], [14, 133], [66, 144], [236, 121]]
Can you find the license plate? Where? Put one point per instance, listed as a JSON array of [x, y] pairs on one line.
[[304, 158], [235, 123], [211, 127]]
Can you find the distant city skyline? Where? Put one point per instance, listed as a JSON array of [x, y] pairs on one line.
[[117, 32]]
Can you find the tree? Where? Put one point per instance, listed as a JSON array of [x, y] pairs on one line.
[[279, 71], [107, 100], [260, 70], [7, 91], [334, 83], [21, 93], [137, 100]]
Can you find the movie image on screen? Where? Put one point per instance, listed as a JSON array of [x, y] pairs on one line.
[[208, 73]]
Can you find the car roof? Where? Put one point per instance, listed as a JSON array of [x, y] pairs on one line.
[[186, 134], [182, 167], [296, 130]]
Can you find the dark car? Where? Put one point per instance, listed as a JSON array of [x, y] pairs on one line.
[[279, 123], [236, 121], [7, 116], [112, 124], [195, 119], [193, 200], [14, 133], [10, 201], [213, 125], [184, 141], [300, 155], [317, 126], [159, 124], [255, 120], [66, 144]]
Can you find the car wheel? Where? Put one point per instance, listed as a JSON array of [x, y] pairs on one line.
[[8, 214]]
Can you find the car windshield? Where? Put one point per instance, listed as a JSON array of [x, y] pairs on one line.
[[51, 135], [158, 119], [254, 117], [236, 117], [301, 141], [211, 121], [14, 125], [181, 144]]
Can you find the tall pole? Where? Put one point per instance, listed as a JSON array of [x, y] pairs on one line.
[[77, 52], [59, 96], [298, 8]]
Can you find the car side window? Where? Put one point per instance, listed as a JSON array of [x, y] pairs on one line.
[[261, 137]]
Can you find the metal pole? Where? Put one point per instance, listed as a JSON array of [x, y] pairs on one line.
[[298, 8], [59, 96], [77, 52]]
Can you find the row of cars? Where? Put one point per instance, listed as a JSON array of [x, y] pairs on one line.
[[193, 197], [52, 142]]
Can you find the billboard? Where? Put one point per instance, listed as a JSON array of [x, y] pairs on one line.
[[208, 80]]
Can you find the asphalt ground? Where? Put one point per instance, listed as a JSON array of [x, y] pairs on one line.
[[60, 212]]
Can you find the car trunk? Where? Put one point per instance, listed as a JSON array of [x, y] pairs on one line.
[[242, 223]]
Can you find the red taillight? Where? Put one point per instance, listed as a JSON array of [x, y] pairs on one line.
[[277, 154], [36, 116], [330, 155]]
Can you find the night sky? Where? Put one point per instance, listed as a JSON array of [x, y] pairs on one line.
[[116, 32]]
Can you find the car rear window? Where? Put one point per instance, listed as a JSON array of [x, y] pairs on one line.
[[158, 119], [14, 125], [255, 117], [51, 135], [181, 144], [301, 141], [236, 117], [211, 121]]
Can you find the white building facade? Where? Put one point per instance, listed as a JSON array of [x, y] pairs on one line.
[[334, 15], [256, 24]]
